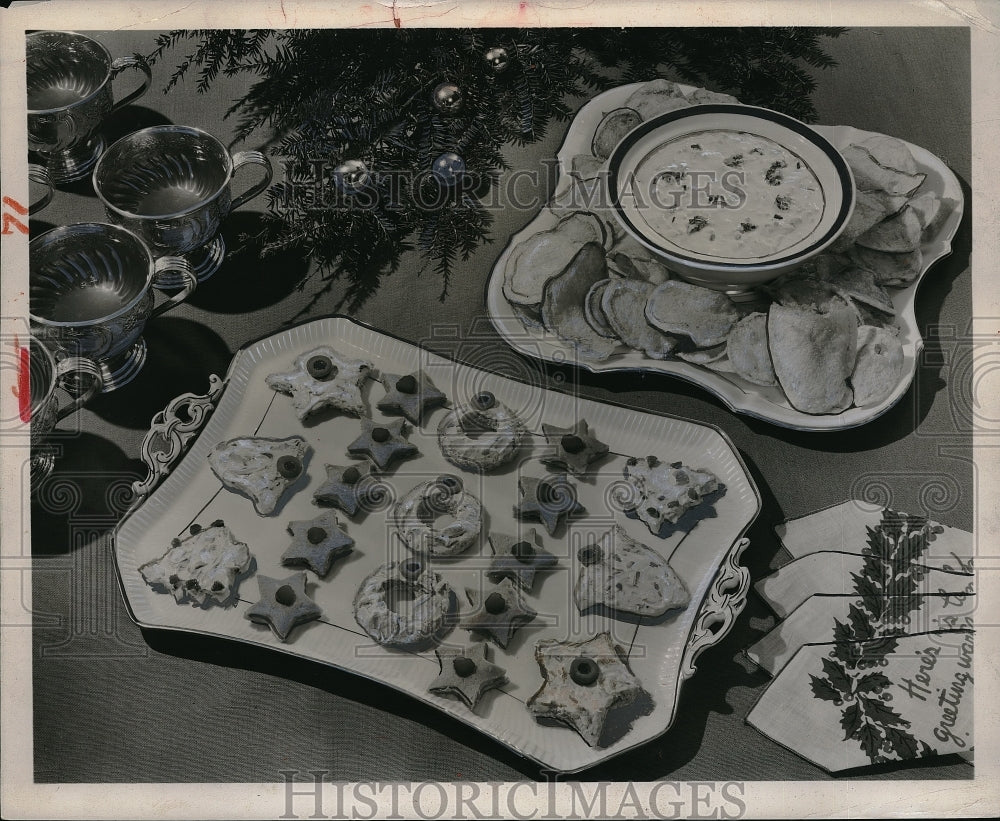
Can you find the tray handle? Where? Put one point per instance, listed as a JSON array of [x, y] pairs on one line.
[[724, 602], [170, 431]]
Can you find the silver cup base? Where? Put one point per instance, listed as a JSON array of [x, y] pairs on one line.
[[75, 163], [204, 262], [116, 371]]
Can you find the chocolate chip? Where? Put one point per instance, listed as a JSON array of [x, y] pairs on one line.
[[693, 494], [524, 552], [653, 512], [320, 367], [175, 542], [495, 604], [381, 435], [484, 400], [676, 465], [350, 476], [315, 535], [406, 384], [174, 580], [572, 444], [450, 484], [590, 554], [289, 467], [195, 529], [218, 523], [284, 596], [218, 587], [463, 666], [583, 670], [681, 477]]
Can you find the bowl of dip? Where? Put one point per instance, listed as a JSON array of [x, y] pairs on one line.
[[730, 196]]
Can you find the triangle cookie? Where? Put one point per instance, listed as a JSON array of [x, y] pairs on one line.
[[261, 469]]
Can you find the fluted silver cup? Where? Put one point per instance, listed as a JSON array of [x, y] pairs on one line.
[[91, 294], [69, 84], [172, 186]]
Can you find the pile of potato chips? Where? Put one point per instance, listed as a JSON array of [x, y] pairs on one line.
[[824, 334]]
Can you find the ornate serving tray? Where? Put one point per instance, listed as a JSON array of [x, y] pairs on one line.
[[767, 403], [181, 490]]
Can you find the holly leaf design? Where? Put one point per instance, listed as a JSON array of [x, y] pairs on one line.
[[872, 681], [837, 675], [926, 750], [904, 586], [862, 629], [822, 689], [870, 740], [903, 744], [880, 713], [850, 720], [881, 543], [871, 595], [881, 647]]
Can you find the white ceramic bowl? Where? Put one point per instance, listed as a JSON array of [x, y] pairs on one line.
[[640, 157]]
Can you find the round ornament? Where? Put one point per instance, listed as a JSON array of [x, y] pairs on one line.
[[448, 168], [447, 98], [351, 175], [497, 59]]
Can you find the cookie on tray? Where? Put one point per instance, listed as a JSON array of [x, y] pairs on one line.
[[501, 612], [627, 576], [481, 435], [382, 442], [466, 674], [583, 682], [260, 468], [283, 604], [518, 559], [323, 378], [409, 395], [549, 501], [317, 543], [662, 493], [203, 567], [573, 448], [349, 487]]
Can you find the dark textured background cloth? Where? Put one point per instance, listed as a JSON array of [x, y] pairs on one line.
[[113, 703]]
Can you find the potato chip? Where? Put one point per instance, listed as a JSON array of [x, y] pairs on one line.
[[797, 290], [624, 304], [813, 355], [594, 313], [890, 152], [657, 97], [615, 125], [563, 300], [702, 96], [878, 366], [860, 285], [704, 315], [926, 207], [586, 166], [897, 234], [870, 176], [702, 356], [889, 269], [638, 267], [748, 352], [546, 254], [870, 208]]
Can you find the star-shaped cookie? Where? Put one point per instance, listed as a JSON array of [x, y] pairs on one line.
[[347, 486], [500, 612], [518, 559], [409, 395], [466, 674], [283, 604], [317, 542], [260, 468], [382, 442], [547, 500], [583, 682], [323, 378], [573, 448]]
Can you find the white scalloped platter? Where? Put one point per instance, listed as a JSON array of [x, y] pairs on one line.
[[704, 549], [740, 396]]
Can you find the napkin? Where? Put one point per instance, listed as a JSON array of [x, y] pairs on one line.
[[851, 704], [847, 527], [821, 616]]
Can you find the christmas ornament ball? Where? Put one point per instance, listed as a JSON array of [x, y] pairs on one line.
[[448, 167], [447, 98], [497, 58], [351, 174]]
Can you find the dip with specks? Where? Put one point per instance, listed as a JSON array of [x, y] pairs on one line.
[[727, 194]]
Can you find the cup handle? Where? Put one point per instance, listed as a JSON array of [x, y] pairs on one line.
[[122, 63], [242, 158], [39, 174], [79, 366], [174, 265]]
